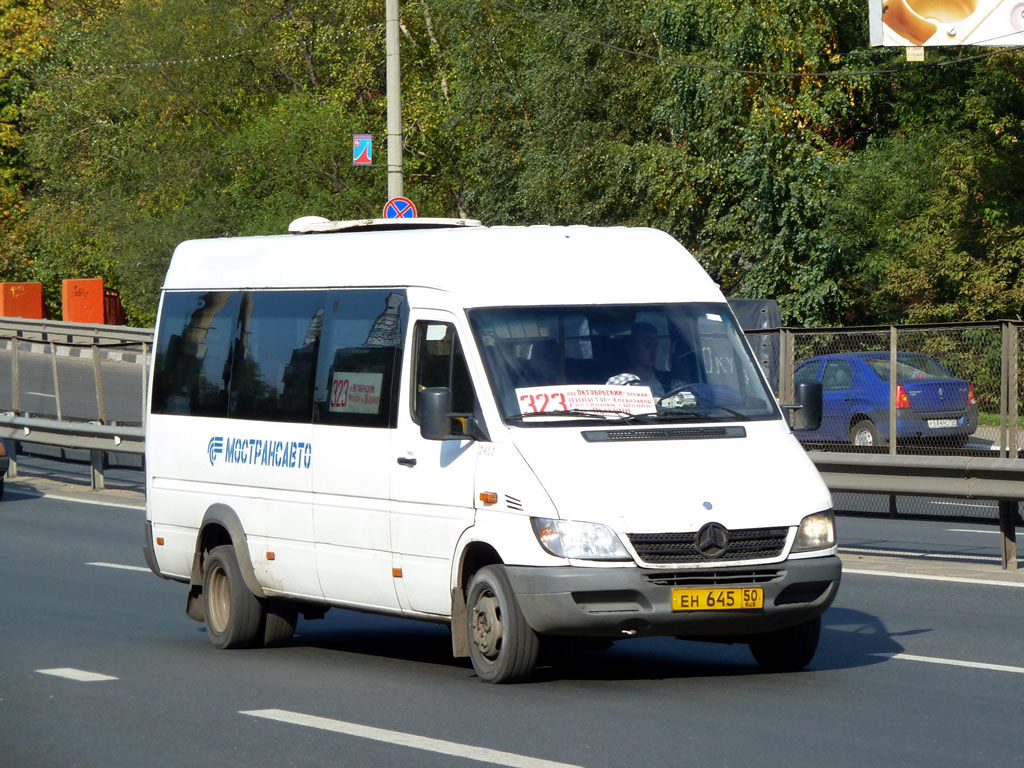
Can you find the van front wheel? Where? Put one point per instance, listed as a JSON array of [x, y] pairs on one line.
[[502, 646], [787, 649], [234, 617]]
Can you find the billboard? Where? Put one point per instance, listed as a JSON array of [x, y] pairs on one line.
[[947, 22]]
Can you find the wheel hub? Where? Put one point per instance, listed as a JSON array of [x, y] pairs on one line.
[[486, 626], [219, 602]]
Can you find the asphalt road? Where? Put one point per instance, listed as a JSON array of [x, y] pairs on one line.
[[920, 665]]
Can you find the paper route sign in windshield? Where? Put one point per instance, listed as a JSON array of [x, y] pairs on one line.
[[586, 397]]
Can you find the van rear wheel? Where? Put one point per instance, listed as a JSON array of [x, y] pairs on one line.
[[234, 616], [789, 649], [502, 646], [279, 624]]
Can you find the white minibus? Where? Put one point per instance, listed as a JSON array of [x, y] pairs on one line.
[[530, 434]]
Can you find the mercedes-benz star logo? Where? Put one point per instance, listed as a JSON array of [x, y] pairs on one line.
[[712, 540]]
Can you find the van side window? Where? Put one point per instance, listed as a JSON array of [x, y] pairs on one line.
[[274, 350], [360, 358], [440, 362], [192, 370]]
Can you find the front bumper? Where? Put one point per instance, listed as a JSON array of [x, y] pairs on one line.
[[626, 602]]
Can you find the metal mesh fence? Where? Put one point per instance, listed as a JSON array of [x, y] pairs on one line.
[[940, 389]]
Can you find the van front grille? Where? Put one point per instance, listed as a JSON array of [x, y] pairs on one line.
[[712, 578], [744, 544]]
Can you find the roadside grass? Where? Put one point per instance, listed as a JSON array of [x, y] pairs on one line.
[[992, 419]]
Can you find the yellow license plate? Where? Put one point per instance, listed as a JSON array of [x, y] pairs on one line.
[[732, 599]]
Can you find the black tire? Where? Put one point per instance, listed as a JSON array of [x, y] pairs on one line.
[[279, 623], [787, 649], [865, 434], [234, 616], [502, 646]]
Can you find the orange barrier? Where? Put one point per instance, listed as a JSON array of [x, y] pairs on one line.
[[87, 301], [82, 300], [22, 300]]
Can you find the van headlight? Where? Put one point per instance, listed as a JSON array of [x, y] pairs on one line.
[[817, 531], [578, 541]]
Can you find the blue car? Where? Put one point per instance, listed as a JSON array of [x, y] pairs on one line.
[[931, 403]]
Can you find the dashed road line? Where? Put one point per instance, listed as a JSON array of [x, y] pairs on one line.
[[79, 675], [121, 567], [917, 555], [953, 662], [974, 530], [926, 577], [451, 748], [96, 502]]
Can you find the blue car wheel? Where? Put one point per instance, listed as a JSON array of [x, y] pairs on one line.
[[865, 433]]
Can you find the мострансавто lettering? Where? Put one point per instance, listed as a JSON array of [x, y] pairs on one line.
[[268, 453]]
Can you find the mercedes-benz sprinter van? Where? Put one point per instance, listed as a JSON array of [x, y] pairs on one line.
[[523, 432]]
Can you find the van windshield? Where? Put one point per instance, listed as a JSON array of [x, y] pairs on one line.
[[685, 362]]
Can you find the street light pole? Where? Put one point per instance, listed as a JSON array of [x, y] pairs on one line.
[[396, 184]]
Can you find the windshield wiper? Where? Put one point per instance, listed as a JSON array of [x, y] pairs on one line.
[[696, 413], [580, 414]]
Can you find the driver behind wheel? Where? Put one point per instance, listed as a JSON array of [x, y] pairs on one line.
[[641, 353]]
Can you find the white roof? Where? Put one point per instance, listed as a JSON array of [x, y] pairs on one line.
[[487, 266]]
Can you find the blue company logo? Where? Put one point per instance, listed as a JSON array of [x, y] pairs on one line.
[[264, 453], [215, 448]]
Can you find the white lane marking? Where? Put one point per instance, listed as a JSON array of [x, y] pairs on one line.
[[75, 674], [96, 502], [953, 662], [973, 530], [40, 394], [911, 553], [925, 577], [451, 748], [121, 567]]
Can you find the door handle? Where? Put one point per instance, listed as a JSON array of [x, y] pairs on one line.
[[407, 461]]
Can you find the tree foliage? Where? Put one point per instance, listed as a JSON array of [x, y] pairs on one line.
[[742, 128]]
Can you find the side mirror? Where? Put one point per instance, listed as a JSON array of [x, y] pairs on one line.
[[435, 413], [808, 406]]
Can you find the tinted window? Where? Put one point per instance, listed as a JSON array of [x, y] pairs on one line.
[[360, 358], [838, 375], [440, 362], [908, 367], [807, 373], [192, 369], [280, 355], [274, 351]]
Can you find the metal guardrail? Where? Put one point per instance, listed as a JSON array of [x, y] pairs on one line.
[[98, 439], [72, 333], [966, 477], [82, 341]]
